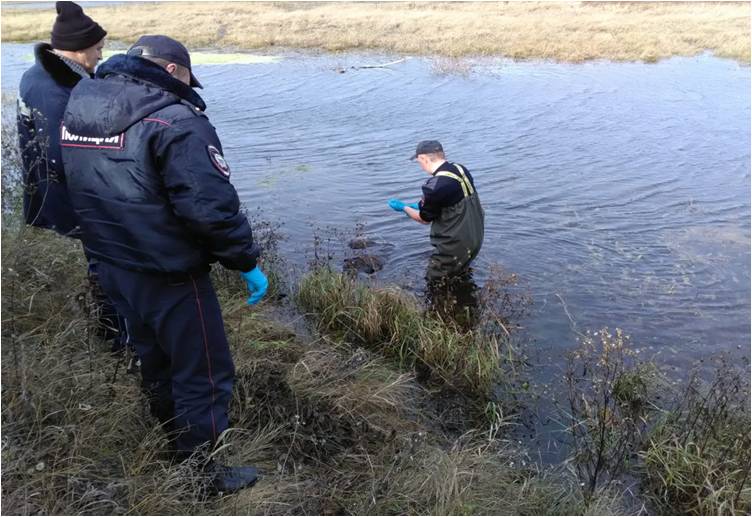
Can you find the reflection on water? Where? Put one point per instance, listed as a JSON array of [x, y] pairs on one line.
[[620, 193]]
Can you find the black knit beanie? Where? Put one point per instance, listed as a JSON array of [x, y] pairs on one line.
[[73, 30]]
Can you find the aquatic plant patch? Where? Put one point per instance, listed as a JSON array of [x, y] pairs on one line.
[[391, 322]]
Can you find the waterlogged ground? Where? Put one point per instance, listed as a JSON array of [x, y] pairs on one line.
[[619, 193]]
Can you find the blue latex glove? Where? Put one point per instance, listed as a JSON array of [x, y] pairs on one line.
[[257, 285], [396, 205], [399, 206]]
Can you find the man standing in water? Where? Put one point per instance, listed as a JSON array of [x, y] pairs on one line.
[[75, 49], [451, 205], [152, 190]]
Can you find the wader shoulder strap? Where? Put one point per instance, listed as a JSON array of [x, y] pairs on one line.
[[465, 178], [452, 175], [467, 187]]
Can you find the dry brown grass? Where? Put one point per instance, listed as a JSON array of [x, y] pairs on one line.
[[335, 431], [575, 31], [356, 385]]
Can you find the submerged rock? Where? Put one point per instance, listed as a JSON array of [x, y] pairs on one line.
[[361, 243], [367, 264]]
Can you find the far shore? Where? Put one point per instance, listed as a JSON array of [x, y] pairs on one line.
[[568, 32]]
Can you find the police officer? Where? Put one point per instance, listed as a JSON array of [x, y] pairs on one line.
[[152, 190], [450, 204], [75, 49]]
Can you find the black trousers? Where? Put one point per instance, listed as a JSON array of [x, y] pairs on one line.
[[110, 325], [175, 325]]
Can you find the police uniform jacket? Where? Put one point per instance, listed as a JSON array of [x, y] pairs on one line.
[[146, 174], [43, 94]]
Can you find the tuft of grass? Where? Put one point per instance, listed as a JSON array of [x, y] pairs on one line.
[[472, 476], [566, 31], [697, 458], [356, 385], [610, 397], [390, 321]]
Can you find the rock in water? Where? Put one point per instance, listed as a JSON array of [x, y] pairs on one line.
[[367, 264], [361, 243]]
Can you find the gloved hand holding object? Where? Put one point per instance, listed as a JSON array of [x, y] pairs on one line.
[[257, 284], [399, 206]]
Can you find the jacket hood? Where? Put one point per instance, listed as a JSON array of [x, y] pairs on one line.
[[55, 66], [126, 89]]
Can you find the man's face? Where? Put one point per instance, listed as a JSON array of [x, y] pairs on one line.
[[89, 57]]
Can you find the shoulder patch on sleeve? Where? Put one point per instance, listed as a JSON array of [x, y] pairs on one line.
[[218, 161]]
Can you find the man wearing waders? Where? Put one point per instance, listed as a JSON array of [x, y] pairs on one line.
[[451, 205]]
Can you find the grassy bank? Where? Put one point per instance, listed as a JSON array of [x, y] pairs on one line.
[[337, 430], [576, 31], [697, 457], [392, 323]]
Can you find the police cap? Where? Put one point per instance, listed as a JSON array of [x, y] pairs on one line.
[[165, 48]]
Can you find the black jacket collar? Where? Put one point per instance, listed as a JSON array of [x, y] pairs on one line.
[[55, 66], [446, 166], [144, 70]]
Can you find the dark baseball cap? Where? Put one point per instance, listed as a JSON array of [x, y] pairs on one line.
[[165, 48], [427, 147]]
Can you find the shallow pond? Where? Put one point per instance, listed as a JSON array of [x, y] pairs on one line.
[[618, 192]]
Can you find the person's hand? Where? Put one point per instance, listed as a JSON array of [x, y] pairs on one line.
[[257, 284], [414, 206], [396, 205]]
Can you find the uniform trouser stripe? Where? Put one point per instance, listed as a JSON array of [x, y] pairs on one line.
[[177, 331], [208, 359]]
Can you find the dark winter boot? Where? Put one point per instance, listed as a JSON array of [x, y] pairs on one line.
[[227, 479]]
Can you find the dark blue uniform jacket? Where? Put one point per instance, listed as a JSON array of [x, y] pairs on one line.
[[43, 94], [146, 174]]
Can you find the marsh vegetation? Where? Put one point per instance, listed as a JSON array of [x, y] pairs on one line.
[[337, 429], [340, 422], [567, 31]]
